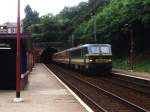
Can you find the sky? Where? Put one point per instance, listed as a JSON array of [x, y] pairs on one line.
[[8, 8]]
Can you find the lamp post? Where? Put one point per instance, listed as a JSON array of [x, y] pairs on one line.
[[18, 99], [131, 46], [72, 40], [131, 49], [94, 27], [95, 31]]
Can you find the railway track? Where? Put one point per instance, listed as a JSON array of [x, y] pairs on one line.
[[102, 94], [132, 83]]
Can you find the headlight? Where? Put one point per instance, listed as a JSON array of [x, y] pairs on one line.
[[90, 60], [109, 60]]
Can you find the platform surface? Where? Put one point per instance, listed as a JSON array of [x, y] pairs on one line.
[[44, 93], [129, 73]]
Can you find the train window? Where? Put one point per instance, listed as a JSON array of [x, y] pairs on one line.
[[85, 50], [95, 50], [76, 53], [105, 50]]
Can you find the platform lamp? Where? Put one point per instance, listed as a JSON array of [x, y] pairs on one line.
[[131, 45], [18, 98]]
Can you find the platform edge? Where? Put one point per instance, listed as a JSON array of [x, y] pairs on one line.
[[75, 95]]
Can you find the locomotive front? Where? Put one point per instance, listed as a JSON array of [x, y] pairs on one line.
[[99, 57]]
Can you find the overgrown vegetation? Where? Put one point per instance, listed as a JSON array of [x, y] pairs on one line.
[[111, 21], [123, 63]]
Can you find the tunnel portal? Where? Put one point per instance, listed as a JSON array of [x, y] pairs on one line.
[[46, 55]]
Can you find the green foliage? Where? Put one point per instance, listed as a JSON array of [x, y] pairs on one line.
[[31, 17], [143, 67], [111, 22], [122, 63], [75, 15], [49, 29]]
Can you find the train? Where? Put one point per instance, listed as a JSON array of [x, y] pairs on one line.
[[87, 57]]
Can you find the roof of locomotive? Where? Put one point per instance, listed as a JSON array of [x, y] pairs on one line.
[[80, 47], [87, 45]]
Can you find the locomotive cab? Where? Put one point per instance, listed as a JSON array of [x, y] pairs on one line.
[[99, 57]]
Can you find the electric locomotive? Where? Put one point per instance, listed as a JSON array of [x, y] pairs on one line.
[[89, 57]]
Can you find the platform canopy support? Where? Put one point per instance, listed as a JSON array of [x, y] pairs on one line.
[[18, 98]]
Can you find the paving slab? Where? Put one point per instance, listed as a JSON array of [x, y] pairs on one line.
[[44, 93]]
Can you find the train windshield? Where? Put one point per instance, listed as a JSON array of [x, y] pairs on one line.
[[105, 50], [100, 49], [95, 50]]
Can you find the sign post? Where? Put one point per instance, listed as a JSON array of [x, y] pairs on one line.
[[18, 99]]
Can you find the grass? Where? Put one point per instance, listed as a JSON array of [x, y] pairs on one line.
[[142, 66]]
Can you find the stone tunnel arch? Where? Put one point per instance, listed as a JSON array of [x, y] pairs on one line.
[[45, 56]]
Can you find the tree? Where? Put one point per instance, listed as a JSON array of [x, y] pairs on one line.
[[50, 28], [110, 25], [31, 17]]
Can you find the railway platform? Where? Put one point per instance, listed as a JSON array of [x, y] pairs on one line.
[[44, 93], [138, 75]]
